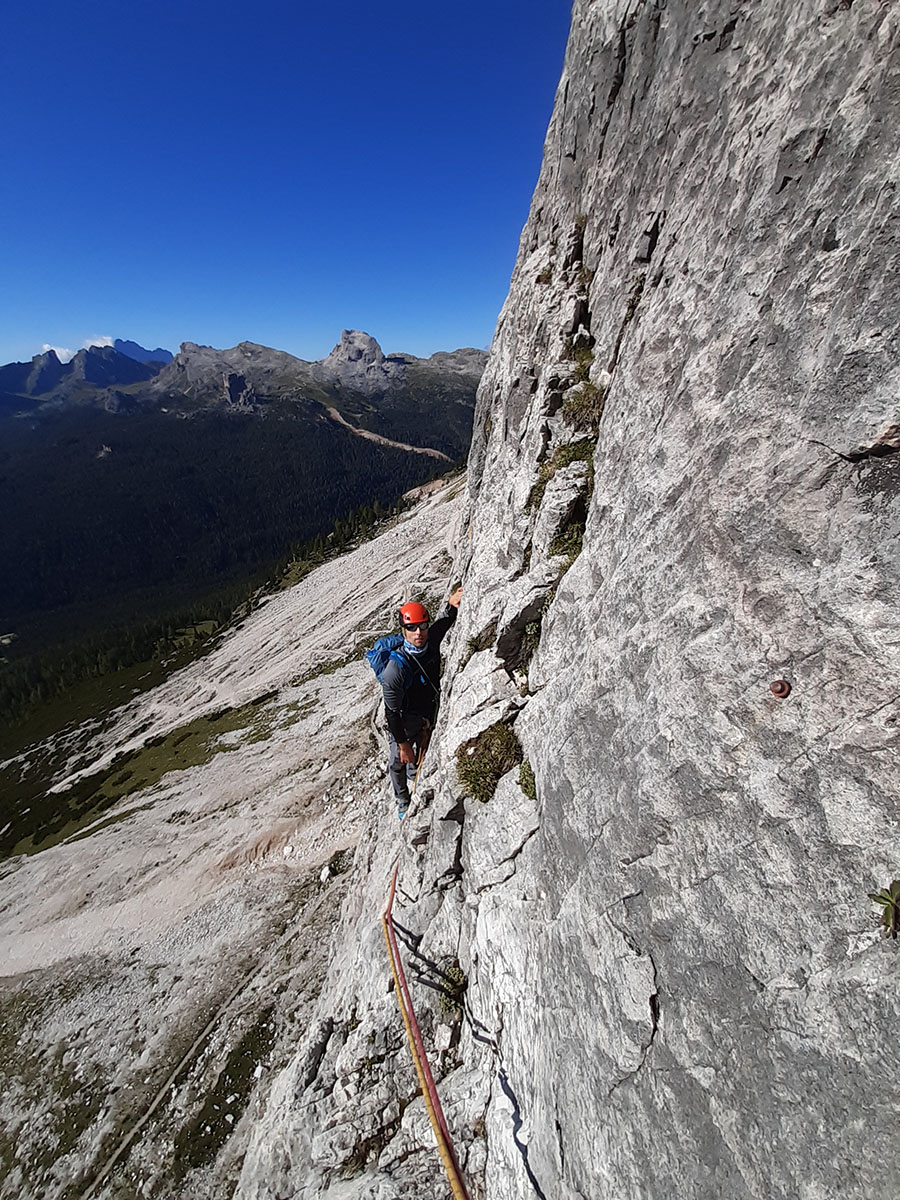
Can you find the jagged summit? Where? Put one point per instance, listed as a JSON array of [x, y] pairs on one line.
[[49, 381], [140, 354]]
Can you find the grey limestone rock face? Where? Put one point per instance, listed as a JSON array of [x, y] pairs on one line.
[[358, 361], [713, 247], [676, 984], [46, 372]]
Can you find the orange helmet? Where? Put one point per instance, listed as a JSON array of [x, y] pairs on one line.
[[413, 612]]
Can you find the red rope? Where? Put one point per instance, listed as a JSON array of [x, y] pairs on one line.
[[417, 1035]]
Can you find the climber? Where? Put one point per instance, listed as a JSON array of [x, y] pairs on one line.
[[409, 672]]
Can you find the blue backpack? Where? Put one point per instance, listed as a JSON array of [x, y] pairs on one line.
[[387, 648]]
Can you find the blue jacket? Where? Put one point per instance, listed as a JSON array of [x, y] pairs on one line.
[[415, 691]]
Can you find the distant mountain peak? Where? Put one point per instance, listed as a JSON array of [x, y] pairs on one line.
[[359, 363], [354, 347], [139, 354], [249, 375]]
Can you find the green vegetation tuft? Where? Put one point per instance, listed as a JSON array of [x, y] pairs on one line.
[[580, 451], [570, 537], [536, 495], [482, 761], [531, 635], [583, 407], [568, 542], [527, 781], [584, 357], [889, 899], [635, 298], [481, 641], [453, 989], [563, 456]]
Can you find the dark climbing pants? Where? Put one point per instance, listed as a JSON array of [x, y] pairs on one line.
[[402, 774]]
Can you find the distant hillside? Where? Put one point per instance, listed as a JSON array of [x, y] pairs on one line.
[[131, 490], [47, 382]]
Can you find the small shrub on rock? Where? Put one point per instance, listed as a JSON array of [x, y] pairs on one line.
[[531, 636], [583, 407], [563, 456], [482, 761], [527, 781], [889, 899], [569, 543], [635, 298], [584, 356], [481, 641], [453, 989]]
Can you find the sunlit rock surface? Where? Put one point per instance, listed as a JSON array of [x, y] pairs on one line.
[[675, 981], [676, 985]]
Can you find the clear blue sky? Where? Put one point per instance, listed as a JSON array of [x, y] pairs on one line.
[[190, 170]]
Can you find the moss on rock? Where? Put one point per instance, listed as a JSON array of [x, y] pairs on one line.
[[483, 760]]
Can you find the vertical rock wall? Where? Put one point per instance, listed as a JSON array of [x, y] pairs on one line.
[[684, 489], [693, 997]]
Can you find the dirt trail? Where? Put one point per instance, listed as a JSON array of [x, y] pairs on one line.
[[376, 437]]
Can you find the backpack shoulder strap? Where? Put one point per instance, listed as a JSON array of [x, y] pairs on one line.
[[405, 663], [410, 668]]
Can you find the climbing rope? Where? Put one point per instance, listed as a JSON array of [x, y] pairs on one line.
[[420, 1059]]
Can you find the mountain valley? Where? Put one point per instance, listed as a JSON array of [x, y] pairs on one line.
[[157, 495]]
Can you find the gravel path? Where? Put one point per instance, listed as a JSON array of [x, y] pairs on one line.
[[376, 437]]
